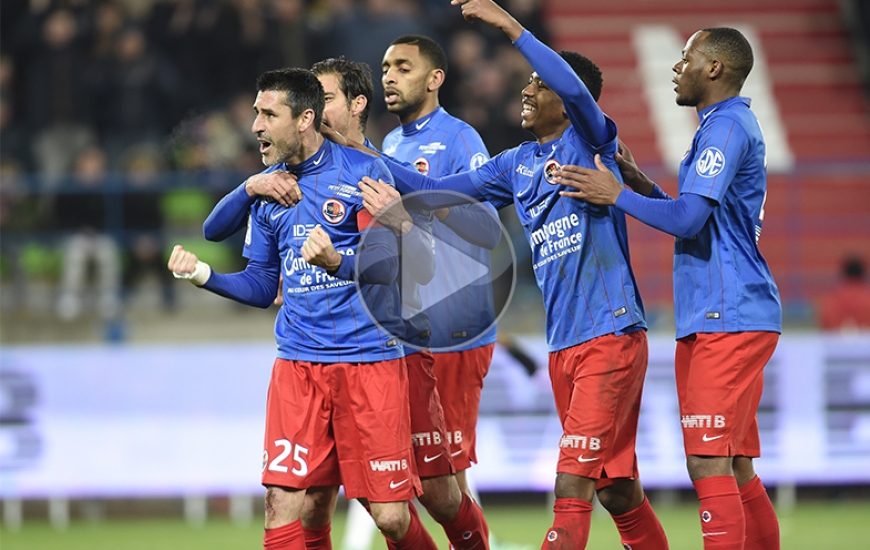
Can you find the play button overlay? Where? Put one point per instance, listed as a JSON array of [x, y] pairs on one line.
[[457, 271]]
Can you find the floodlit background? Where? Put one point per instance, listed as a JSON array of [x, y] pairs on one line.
[[126, 394]]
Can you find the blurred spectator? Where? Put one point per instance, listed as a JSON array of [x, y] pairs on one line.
[[188, 32], [144, 240], [81, 211], [107, 21], [254, 44], [218, 140], [364, 33], [848, 305], [57, 100], [14, 146], [136, 92], [291, 33]]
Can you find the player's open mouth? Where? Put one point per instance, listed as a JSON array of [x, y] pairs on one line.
[[528, 109], [264, 145], [390, 96]]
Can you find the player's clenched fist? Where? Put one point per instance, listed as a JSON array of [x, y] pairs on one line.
[[490, 12], [281, 186], [185, 265], [318, 250]]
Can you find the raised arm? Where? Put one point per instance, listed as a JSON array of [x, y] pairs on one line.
[[583, 111]]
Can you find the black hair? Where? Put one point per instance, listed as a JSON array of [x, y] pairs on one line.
[[354, 79], [302, 89], [731, 47], [588, 71], [430, 50]]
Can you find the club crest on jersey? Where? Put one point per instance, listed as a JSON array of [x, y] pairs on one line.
[[477, 160], [710, 162], [550, 169], [334, 211], [422, 165]]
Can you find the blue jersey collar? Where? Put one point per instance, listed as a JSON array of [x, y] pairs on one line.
[[316, 163], [420, 124], [703, 114]]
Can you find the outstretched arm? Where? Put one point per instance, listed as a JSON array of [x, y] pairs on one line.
[[683, 217], [475, 223], [583, 111]]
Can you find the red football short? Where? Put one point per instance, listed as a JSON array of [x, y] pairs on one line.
[[720, 377], [341, 423], [459, 375], [431, 450], [597, 386]]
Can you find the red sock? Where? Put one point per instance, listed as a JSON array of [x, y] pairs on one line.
[[286, 537], [317, 538], [722, 523], [465, 531], [762, 527], [640, 529], [482, 521], [417, 538], [570, 529]]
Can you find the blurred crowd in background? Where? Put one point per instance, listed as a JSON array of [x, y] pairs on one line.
[[123, 121]]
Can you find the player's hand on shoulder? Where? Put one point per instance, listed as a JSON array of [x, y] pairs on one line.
[[384, 203], [318, 250], [280, 185], [636, 180], [594, 185]]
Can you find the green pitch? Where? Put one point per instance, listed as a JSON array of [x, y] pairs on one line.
[[811, 526]]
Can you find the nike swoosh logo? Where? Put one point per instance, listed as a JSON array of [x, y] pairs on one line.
[[705, 438], [316, 162], [456, 453], [424, 123], [427, 458], [581, 459], [278, 215], [394, 485]]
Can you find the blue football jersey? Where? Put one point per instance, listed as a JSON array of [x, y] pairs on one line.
[[579, 250], [324, 318], [439, 144], [721, 281]]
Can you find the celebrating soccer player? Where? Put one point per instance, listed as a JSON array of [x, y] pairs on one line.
[[727, 307]]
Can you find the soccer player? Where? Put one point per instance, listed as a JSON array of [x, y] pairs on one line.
[[348, 91], [463, 325], [595, 319], [726, 304], [337, 409]]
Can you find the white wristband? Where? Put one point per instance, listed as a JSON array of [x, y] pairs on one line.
[[200, 274]]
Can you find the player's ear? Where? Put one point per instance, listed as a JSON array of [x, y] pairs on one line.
[[305, 120], [716, 69], [436, 79], [358, 105]]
